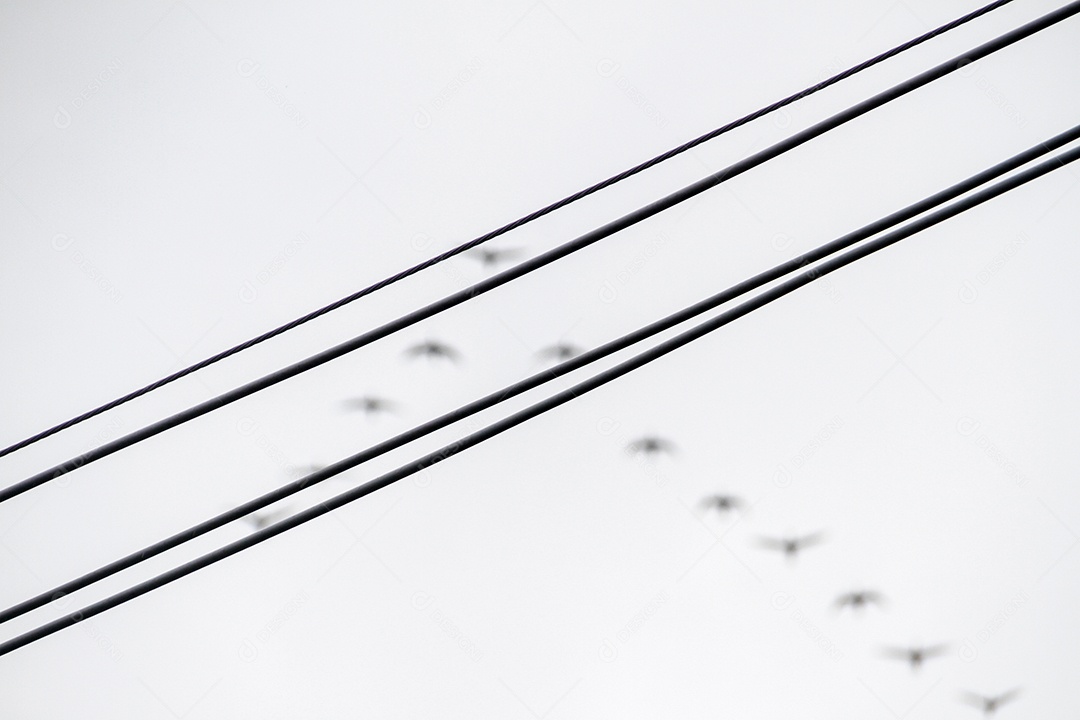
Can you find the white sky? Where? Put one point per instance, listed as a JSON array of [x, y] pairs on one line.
[[175, 179]]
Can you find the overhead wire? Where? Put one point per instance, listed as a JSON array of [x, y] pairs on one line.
[[504, 229], [550, 256], [513, 390], [546, 405]]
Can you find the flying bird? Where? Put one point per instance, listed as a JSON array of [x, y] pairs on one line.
[[299, 471], [490, 257], [259, 520], [858, 599], [989, 704], [723, 503], [435, 350], [370, 405], [559, 352], [651, 445], [915, 656], [791, 546]]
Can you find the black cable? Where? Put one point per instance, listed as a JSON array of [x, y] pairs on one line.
[[541, 378], [550, 256], [507, 228], [543, 406]]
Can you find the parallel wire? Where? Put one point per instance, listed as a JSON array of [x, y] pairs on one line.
[[550, 256], [543, 406], [504, 229], [542, 378]]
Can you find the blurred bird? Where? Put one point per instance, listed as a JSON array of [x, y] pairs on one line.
[[791, 546], [559, 352], [858, 599], [370, 405], [651, 445], [915, 656], [723, 503], [299, 471], [490, 257], [987, 704], [259, 520], [433, 349]]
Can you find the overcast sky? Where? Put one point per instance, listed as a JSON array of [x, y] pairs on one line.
[[177, 178]]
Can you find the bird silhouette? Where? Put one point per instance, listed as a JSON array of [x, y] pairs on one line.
[[791, 546], [370, 405], [433, 349], [723, 503], [858, 599], [989, 704], [650, 446], [559, 352], [915, 656], [490, 257]]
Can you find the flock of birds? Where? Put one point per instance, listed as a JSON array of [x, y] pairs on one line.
[[856, 600], [649, 446]]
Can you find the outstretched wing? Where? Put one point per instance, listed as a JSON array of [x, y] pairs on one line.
[[974, 699], [433, 348], [771, 543], [811, 539], [1007, 696], [560, 351], [897, 653]]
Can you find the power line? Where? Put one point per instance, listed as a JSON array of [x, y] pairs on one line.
[[550, 256], [505, 228], [543, 406], [538, 379]]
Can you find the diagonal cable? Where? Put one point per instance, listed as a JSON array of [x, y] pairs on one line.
[[538, 379], [546, 405], [550, 256], [505, 228]]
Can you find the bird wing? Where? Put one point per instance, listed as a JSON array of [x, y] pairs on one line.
[[448, 352], [365, 403], [771, 543], [811, 539], [974, 699], [559, 352], [844, 600], [1007, 696], [493, 255], [897, 653], [433, 348], [934, 650]]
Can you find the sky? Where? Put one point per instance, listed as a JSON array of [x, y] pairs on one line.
[[176, 178]]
